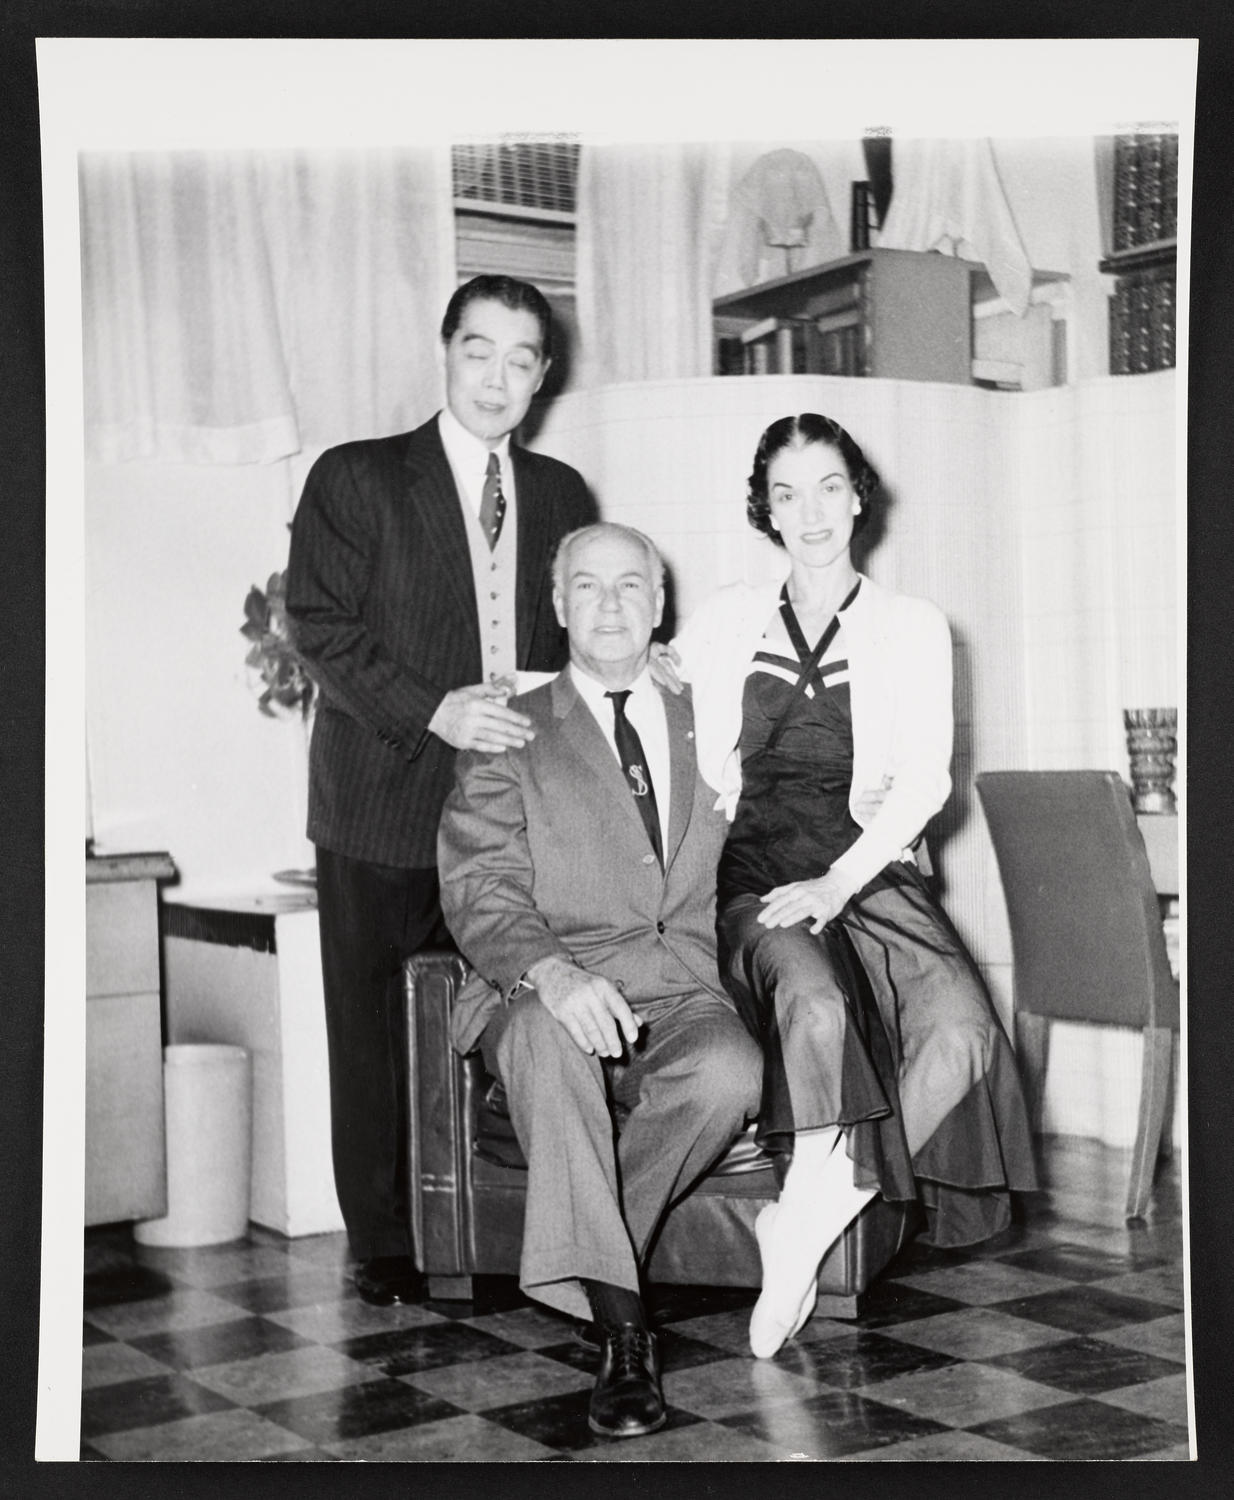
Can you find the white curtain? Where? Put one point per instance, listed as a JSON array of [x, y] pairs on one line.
[[240, 306], [662, 229], [947, 196], [650, 220]]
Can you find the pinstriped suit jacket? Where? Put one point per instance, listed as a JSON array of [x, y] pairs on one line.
[[382, 605], [542, 850]]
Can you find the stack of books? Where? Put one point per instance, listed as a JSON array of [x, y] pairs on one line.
[[1142, 309], [1142, 321], [776, 346], [1145, 190]]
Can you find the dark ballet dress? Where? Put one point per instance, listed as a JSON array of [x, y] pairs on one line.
[[880, 1023]]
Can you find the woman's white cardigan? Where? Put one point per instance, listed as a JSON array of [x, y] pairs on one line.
[[899, 657]]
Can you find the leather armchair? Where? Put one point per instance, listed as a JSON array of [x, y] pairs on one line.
[[467, 1180]]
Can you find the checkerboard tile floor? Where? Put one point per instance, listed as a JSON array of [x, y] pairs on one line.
[[1062, 1339]]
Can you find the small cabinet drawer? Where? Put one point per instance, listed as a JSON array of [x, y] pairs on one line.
[[122, 945], [126, 1160]]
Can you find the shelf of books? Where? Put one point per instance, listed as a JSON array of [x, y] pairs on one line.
[[1143, 258]]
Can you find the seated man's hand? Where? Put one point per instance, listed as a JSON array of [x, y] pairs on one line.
[[476, 718], [590, 1007]]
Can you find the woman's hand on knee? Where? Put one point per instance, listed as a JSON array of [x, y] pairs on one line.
[[816, 901]]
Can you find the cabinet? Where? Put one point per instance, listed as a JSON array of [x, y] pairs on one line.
[[245, 970], [125, 1147], [898, 314]]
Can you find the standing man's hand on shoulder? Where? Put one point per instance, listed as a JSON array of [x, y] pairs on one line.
[[590, 1007], [476, 718], [663, 662]]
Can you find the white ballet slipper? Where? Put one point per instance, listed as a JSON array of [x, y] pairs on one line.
[[770, 1327], [807, 1308]]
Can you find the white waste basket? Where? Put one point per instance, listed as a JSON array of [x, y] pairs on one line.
[[208, 1104]]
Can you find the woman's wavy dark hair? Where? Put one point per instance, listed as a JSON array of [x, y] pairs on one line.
[[799, 432]]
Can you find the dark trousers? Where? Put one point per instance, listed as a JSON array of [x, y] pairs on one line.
[[372, 917]]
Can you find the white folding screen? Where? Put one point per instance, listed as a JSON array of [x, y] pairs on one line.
[[1043, 523]]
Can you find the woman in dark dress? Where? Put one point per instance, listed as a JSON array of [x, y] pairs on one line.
[[887, 1070]]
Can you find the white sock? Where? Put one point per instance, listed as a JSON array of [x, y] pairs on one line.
[[817, 1203]]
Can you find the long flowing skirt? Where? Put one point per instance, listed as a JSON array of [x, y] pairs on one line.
[[882, 1025]]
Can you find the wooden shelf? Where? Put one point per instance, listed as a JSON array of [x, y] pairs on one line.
[[898, 314], [1140, 258], [105, 867]]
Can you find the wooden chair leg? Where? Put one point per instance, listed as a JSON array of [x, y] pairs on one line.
[[1032, 1045], [1154, 1091], [438, 1140], [837, 1307], [450, 1288]]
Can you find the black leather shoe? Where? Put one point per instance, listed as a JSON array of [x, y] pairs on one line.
[[389, 1279], [627, 1400], [589, 1335]]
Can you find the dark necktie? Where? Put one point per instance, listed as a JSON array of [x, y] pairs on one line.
[[638, 774], [492, 501]]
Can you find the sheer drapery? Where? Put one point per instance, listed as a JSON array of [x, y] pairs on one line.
[[182, 354], [240, 306], [947, 196], [662, 229], [650, 220]]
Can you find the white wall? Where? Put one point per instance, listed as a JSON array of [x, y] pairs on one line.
[[1041, 522], [180, 757], [1044, 524], [1098, 518]]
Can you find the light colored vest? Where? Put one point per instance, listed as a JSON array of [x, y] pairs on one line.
[[495, 575]]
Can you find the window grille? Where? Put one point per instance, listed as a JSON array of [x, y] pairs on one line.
[[517, 177]]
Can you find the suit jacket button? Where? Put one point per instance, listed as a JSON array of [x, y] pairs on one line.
[[649, 859], [659, 926]]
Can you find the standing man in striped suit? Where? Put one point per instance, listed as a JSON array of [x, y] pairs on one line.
[[418, 585]]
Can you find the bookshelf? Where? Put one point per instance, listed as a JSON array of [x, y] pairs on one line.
[[1143, 260], [897, 314]]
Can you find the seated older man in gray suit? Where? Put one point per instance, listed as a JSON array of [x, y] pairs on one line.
[[578, 877]]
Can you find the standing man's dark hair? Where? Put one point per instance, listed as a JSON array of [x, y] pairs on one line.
[[418, 587], [518, 296]]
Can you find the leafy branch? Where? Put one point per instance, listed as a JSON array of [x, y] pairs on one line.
[[286, 684]]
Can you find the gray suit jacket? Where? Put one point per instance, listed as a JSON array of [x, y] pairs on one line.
[[542, 851]]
